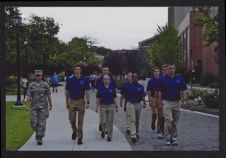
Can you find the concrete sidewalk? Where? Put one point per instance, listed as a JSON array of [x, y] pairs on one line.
[[58, 132]]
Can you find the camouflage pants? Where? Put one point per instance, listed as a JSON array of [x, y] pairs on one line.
[[77, 107], [38, 120]]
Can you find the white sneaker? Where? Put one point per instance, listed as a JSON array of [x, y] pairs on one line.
[[160, 136], [174, 141], [168, 143]]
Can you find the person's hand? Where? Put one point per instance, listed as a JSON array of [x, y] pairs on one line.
[[87, 106], [125, 108], [159, 105], [149, 103], [144, 105], [67, 106], [184, 102], [26, 107], [97, 109], [50, 107], [116, 108]]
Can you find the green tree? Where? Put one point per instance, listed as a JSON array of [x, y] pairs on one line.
[[211, 31], [78, 51], [166, 48]]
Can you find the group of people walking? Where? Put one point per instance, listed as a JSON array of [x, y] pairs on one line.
[[164, 92]]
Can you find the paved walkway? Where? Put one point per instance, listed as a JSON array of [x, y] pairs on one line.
[[58, 132], [197, 131]]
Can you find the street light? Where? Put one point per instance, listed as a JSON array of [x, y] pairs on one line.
[[191, 71], [26, 63], [17, 23]]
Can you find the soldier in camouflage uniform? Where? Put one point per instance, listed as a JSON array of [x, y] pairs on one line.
[[38, 92]]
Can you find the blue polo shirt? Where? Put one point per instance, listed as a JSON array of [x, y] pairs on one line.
[[124, 87], [171, 87], [106, 95], [100, 82], [77, 87], [153, 85], [134, 92]]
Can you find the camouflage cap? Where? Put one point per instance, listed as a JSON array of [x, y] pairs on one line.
[[38, 72]]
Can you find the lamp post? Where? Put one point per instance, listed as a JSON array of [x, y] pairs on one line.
[[191, 73], [17, 23], [26, 63]]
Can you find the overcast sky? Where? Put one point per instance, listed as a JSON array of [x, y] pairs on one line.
[[113, 27]]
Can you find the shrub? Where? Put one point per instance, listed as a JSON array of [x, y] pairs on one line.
[[207, 79], [196, 93], [10, 80], [211, 101], [119, 83]]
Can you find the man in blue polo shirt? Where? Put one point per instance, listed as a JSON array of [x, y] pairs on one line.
[[105, 71], [153, 98], [169, 92], [135, 94], [124, 97], [106, 100], [100, 82], [76, 88]]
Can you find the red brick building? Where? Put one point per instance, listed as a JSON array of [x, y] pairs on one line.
[[196, 53]]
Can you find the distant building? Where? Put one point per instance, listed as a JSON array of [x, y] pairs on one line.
[[146, 43], [196, 53], [99, 58]]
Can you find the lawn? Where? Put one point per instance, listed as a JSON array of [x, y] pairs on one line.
[[18, 129]]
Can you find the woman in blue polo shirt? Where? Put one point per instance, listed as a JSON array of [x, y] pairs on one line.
[[135, 94], [106, 100]]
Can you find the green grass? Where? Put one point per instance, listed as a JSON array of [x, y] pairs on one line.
[[18, 129]]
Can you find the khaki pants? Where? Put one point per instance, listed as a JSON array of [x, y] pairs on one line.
[[127, 121], [171, 111], [107, 118], [157, 114], [77, 107], [133, 110]]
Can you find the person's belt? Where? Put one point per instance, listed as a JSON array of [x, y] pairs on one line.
[[107, 104], [76, 99]]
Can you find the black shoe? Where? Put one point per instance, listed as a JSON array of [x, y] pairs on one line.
[[73, 136], [56, 90], [138, 136], [109, 139], [100, 128], [128, 132], [80, 142], [134, 140], [153, 126], [102, 134], [39, 140]]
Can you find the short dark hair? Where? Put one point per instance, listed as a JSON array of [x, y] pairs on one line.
[[77, 65], [129, 72], [105, 66], [164, 66], [156, 68]]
